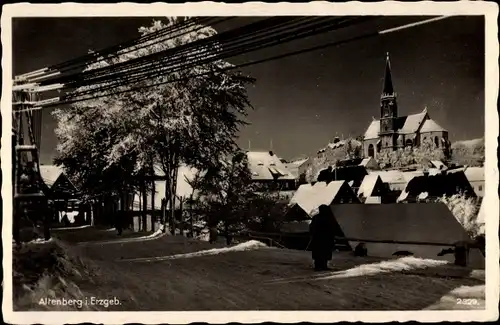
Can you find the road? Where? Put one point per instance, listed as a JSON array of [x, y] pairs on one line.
[[144, 275]]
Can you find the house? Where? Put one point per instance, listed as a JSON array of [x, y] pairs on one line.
[[307, 199], [394, 178], [475, 176], [298, 167], [437, 185], [419, 225], [61, 192], [392, 131], [352, 174], [268, 170], [372, 189], [481, 218], [369, 163]]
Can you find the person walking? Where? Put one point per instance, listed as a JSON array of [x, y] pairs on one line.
[[322, 232], [213, 232]]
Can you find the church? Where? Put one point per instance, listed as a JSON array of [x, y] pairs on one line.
[[392, 131]]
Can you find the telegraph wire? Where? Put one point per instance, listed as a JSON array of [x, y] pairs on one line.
[[272, 58], [94, 56], [229, 50]]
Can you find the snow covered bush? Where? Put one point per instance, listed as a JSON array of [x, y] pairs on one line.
[[470, 152], [465, 211]]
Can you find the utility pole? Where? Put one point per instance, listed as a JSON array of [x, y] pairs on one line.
[[28, 191]]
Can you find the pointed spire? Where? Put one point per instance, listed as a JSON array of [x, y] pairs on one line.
[[388, 87]]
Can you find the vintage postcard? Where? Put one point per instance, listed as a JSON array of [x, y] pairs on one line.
[[212, 162]]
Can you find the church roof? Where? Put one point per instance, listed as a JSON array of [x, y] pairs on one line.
[[413, 122], [373, 130], [405, 125], [431, 126]]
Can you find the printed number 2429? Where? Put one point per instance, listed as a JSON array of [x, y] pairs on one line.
[[461, 301]]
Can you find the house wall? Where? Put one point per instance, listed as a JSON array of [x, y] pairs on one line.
[[478, 187], [303, 168]]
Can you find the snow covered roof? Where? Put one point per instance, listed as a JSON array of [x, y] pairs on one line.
[[408, 176], [373, 130], [474, 174], [309, 198], [413, 122], [50, 173], [390, 176], [431, 126], [365, 161], [438, 164], [368, 185], [293, 169], [267, 166], [300, 162]]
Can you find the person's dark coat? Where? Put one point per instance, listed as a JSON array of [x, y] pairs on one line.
[[213, 234], [322, 232]]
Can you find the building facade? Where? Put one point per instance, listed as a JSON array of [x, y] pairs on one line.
[[392, 131]]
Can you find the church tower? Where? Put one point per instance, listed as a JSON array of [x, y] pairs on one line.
[[388, 111]]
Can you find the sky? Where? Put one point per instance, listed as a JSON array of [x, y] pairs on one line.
[[302, 102]]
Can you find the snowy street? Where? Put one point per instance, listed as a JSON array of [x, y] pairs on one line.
[[175, 273]]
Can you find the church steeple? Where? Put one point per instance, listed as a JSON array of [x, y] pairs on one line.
[[388, 104], [388, 87]]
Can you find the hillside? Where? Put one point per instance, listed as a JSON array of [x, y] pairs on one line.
[[333, 152], [468, 152], [175, 273]]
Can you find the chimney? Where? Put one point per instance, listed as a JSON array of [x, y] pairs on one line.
[[426, 173]]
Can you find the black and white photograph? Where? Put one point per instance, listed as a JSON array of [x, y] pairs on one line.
[[224, 159]]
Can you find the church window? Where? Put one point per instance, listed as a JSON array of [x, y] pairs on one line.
[[436, 141], [409, 143]]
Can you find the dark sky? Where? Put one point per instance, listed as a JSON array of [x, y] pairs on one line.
[[303, 101]]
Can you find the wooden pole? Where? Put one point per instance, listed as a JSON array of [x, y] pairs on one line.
[[153, 209], [181, 228], [144, 204]]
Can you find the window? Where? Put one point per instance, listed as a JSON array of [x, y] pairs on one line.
[[480, 188], [409, 143], [436, 142]]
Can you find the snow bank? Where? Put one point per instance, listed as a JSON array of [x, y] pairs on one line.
[[246, 246], [39, 241], [68, 228], [371, 269], [157, 234]]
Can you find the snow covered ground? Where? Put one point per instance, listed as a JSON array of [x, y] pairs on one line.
[[176, 273]]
